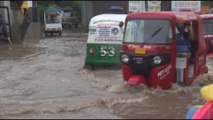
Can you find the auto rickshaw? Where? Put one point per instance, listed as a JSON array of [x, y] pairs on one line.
[[150, 54], [208, 33], [104, 40], [53, 21]]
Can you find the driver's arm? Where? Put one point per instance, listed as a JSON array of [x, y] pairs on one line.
[[191, 32]]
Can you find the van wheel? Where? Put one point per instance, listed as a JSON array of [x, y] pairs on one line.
[[51, 34], [70, 26], [59, 33], [45, 34]]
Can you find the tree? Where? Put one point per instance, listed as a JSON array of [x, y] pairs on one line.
[[67, 9], [54, 6]]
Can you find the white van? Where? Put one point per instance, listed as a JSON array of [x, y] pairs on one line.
[[53, 21], [105, 39]]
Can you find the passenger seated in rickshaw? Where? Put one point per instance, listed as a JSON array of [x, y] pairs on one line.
[[184, 38], [52, 19]]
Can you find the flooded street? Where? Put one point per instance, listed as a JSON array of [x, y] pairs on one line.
[[46, 79]]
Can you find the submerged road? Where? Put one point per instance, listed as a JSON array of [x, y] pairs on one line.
[[46, 79]]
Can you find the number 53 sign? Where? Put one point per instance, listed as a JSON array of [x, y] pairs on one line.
[[107, 51]]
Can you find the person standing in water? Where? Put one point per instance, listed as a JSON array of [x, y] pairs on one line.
[[3, 29]]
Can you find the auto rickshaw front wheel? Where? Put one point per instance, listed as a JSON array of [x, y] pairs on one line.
[[89, 67]]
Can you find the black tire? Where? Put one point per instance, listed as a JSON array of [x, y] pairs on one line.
[[89, 67], [70, 26], [51, 34], [76, 26], [59, 33], [46, 34]]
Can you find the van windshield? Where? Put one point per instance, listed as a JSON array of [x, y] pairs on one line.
[[156, 31], [66, 14], [53, 18], [208, 25]]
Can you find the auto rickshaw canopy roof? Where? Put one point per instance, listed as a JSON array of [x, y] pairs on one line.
[[207, 16], [178, 16], [107, 18]]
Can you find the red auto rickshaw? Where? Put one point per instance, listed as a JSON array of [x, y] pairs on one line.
[[150, 54], [208, 33]]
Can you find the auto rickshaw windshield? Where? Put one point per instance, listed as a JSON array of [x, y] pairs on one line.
[[207, 27], [154, 31]]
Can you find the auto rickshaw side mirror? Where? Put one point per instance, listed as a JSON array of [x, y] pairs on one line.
[[121, 24]]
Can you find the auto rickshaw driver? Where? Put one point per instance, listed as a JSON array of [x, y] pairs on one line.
[[186, 49], [183, 38]]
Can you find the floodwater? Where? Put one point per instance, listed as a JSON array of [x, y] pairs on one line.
[[46, 79]]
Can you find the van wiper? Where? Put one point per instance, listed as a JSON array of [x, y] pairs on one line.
[[156, 32]]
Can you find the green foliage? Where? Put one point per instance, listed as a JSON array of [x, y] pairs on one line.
[[67, 9], [54, 6]]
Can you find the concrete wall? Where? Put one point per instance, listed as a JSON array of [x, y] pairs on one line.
[[15, 13], [15, 19], [33, 33]]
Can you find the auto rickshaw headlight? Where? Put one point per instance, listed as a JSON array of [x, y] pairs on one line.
[[124, 58], [157, 60]]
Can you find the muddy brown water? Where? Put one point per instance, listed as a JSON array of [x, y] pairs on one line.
[[46, 79]]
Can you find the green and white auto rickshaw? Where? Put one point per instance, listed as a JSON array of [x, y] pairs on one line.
[[104, 40]]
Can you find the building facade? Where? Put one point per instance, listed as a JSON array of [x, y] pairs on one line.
[[93, 8]]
